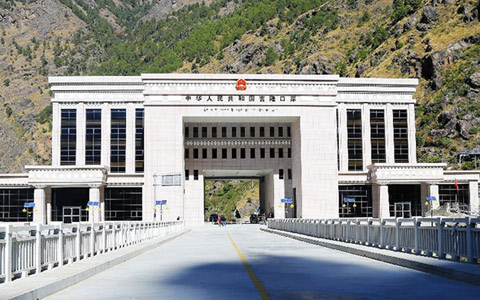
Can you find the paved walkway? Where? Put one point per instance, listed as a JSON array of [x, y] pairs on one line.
[[204, 264]]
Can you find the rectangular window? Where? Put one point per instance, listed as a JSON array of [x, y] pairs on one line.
[[195, 132], [234, 131], [289, 131], [272, 152], [377, 135], [171, 180], [93, 136], [195, 174], [262, 131], [280, 174], [252, 152], [204, 153], [272, 131], [224, 131], [459, 200], [400, 135], [289, 153], [187, 153], [68, 137], [118, 140], [187, 174], [280, 131], [354, 129], [242, 153], [289, 174], [252, 131], [139, 140], [242, 131], [234, 153], [224, 153], [187, 132], [363, 201], [214, 132], [262, 152], [204, 132], [214, 153], [280, 152], [123, 204], [195, 153], [12, 203]]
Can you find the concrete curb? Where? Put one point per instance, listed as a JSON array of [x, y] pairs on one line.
[[59, 281], [449, 273]]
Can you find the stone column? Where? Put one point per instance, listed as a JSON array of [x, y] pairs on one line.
[[40, 210], [106, 126], [473, 192], [389, 142], [56, 132], [429, 189], [81, 130], [342, 137], [130, 147], [412, 141], [94, 196], [278, 186], [48, 200], [366, 132], [380, 201]]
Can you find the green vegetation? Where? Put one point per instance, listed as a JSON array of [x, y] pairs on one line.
[[45, 115]]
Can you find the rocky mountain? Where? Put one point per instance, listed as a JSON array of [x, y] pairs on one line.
[[437, 41]]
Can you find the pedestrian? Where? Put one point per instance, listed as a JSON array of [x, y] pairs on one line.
[[219, 221]]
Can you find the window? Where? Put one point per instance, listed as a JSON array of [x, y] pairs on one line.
[[289, 152], [187, 174], [354, 129], [252, 131], [242, 153], [118, 140], [289, 174], [68, 137], [195, 132], [123, 204], [139, 141], [272, 131], [280, 131], [214, 153], [272, 152], [262, 152], [93, 136], [234, 153], [363, 201], [400, 135], [252, 152], [280, 152], [214, 132], [187, 132], [224, 131], [280, 174], [195, 153], [448, 194], [11, 205], [204, 153], [224, 153], [262, 131], [171, 180], [289, 131], [204, 132], [234, 131], [242, 131], [187, 153], [377, 135], [195, 174]]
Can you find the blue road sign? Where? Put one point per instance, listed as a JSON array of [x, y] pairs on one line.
[[160, 202], [286, 200], [431, 198], [349, 200], [93, 203], [29, 204]]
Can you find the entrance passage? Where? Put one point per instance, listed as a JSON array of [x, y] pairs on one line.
[[405, 200], [237, 200], [69, 204]]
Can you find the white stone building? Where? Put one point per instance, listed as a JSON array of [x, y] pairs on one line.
[[127, 142]]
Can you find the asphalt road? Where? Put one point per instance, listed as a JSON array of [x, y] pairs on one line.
[[242, 262]]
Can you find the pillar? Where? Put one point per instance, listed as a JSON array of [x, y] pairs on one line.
[[389, 142], [278, 186], [342, 138], [366, 133], [56, 132], [106, 127], [81, 130], [412, 141], [130, 146], [380, 200], [94, 214], [429, 189], [473, 192], [40, 210]]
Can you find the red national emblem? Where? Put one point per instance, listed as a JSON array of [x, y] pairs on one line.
[[241, 85]]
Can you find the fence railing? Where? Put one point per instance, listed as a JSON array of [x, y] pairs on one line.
[[26, 250], [450, 238]]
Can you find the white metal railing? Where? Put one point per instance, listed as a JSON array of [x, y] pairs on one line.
[[32, 249], [451, 238]]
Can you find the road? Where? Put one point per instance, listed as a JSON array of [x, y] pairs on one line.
[[242, 262]]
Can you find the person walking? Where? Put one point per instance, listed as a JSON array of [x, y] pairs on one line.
[[219, 221]]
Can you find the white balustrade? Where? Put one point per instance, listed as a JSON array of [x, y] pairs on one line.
[[451, 238], [32, 249]]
